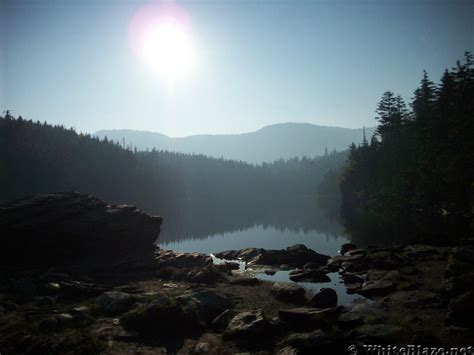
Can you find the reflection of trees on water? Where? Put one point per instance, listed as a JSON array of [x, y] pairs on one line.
[[198, 219]]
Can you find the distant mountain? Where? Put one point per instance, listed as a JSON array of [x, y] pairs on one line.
[[285, 140]]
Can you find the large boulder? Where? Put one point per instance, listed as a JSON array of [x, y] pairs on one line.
[[76, 231]]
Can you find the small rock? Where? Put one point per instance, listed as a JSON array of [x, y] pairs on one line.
[[420, 250], [162, 317], [377, 333], [353, 288], [349, 320], [288, 350], [115, 302], [202, 347], [45, 301], [354, 252], [65, 320], [316, 342], [52, 287], [222, 320], [311, 265], [335, 263], [288, 293], [204, 304], [413, 299], [247, 325], [270, 272], [228, 266], [208, 275], [325, 298], [464, 254], [346, 247], [80, 310], [49, 323], [461, 310], [452, 336], [297, 248], [351, 278], [125, 335], [377, 288]]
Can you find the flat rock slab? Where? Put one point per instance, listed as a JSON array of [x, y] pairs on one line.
[[379, 333], [414, 298], [304, 318], [314, 275], [169, 258], [315, 342], [377, 288]]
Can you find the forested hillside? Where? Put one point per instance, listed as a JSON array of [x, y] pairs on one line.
[[417, 172], [39, 158]]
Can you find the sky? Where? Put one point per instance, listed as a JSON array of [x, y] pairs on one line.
[[257, 63]]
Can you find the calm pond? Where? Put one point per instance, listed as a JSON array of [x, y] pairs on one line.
[[211, 230]]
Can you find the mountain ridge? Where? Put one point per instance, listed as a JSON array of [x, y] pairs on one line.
[[267, 144]]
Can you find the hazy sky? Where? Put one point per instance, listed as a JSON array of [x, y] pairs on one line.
[[259, 62]]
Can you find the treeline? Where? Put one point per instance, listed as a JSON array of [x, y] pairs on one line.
[[417, 171], [39, 158]]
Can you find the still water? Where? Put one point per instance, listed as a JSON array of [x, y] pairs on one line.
[[211, 230], [267, 237]]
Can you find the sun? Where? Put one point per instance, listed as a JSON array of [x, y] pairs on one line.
[[161, 36], [168, 49]]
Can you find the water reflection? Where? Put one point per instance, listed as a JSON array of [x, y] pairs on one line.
[[206, 227]]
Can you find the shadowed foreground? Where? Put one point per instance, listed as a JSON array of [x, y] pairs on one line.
[[183, 303]]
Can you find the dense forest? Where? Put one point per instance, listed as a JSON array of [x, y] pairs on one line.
[[416, 175], [37, 158]]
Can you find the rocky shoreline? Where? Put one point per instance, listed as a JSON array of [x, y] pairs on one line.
[[194, 306], [185, 303]]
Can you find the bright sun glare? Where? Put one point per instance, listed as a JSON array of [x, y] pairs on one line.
[[168, 49], [161, 36]]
